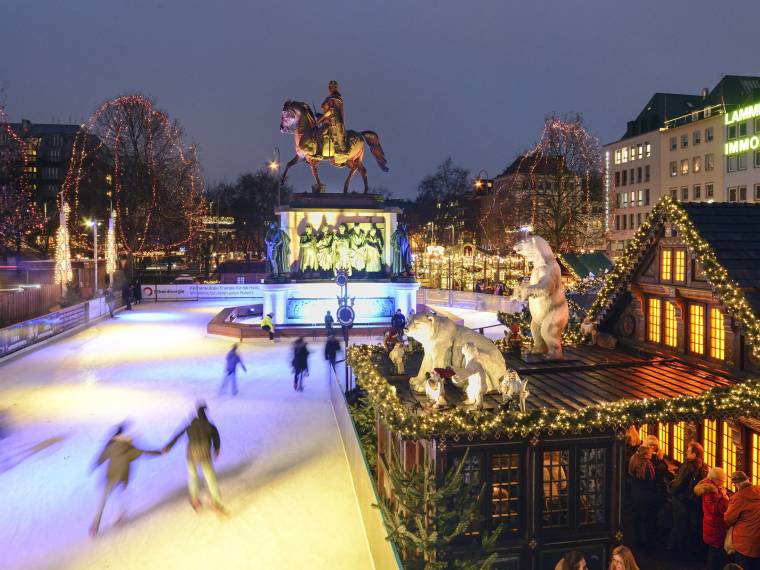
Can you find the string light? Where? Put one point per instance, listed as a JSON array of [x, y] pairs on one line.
[[63, 272], [111, 253]]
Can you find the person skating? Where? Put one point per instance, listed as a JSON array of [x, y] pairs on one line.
[[329, 322], [267, 324], [232, 361], [202, 435], [110, 300], [120, 453], [126, 296], [300, 363], [332, 347]]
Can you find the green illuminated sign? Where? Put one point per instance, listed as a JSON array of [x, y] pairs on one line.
[[743, 114], [742, 145]]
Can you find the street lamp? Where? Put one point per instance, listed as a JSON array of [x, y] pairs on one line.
[[94, 225], [483, 183], [274, 166]]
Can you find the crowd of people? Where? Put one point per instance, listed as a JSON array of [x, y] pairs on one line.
[[691, 505]]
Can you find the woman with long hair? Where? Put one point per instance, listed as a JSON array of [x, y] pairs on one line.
[[643, 500], [622, 559]]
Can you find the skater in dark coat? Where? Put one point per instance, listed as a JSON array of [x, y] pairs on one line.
[[202, 435], [126, 296], [300, 363], [230, 370], [329, 322], [120, 453], [332, 348]]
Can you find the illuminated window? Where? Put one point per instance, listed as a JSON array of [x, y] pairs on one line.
[[648, 150], [685, 166], [696, 329], [505, 491], [654, 320], [663, 434], [717, 334], [617, 156], [710, 442], [643, 431], [555, 508], [625, 154], [671, 329], [755, 459], [680, 272], [679, 441], [729, 449], [666, 269]]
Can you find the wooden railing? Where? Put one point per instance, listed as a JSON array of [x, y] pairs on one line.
[[27, 303]]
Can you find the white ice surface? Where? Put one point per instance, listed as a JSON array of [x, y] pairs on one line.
[[282, 470]]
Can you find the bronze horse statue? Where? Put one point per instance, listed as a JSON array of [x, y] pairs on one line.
[[298, 118]]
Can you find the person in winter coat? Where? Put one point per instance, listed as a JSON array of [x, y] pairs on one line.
[[329, 322], [686, 536], [714, 496], [232, 360], [300, 363], [120, 453], [202, 435], [572, 560], [332, 348], [126, 296], [743, 515], [398, 321], [267, 324], [643, 494]]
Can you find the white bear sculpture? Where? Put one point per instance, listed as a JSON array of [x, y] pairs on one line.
[[472, 378], [443, 341], [546, 297]]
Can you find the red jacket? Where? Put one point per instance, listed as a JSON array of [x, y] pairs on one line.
[[714, 505], [744, 515]]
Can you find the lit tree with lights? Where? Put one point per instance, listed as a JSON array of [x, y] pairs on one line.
[[132, 155], [19, 216]]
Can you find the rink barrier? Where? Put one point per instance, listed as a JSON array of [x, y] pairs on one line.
[[464, 300], [383, 552], [29, 333]]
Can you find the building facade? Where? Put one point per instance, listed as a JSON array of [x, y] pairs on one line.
[[695, 148]]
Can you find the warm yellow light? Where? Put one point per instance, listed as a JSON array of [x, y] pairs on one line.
[[478, 183], [274, 165]]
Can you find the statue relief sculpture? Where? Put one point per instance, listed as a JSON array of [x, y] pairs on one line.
[[342, 250], [401, 261], [308, 250], [373, 250], [514, 391], [324, 248], [473, 376], [546, 297], [357, 238], [435, 390], [278, 250], [325, 137]]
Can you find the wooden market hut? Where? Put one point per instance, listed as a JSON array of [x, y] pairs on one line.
[[683, 302]]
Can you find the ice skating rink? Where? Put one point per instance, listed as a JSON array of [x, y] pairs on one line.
[[282, 470]]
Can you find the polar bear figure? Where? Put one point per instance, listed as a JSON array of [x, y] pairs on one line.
[[546, 297], [473, 376], [443, 341]]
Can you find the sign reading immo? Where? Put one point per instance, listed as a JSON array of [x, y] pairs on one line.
[[742, 145]]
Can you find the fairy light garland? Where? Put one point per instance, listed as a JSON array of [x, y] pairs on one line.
[[63, 271], [725, 289], [720, 403], [111, 253]]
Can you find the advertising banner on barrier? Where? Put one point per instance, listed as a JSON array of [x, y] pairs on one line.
[[192, 291]]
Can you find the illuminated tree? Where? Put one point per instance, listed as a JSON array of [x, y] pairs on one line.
[[133, 156], [19, 216]]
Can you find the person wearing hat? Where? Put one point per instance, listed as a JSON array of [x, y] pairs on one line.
[[714, 496], [743, 516], [267, 324]]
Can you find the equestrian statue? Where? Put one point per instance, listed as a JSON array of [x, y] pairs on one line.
[[324, 137]]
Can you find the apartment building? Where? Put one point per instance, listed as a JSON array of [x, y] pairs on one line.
[[703, 147]]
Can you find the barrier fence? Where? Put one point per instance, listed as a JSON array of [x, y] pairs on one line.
[[27, 302], [464, 300]]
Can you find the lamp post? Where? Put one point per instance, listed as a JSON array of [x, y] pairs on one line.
[[483, 183], [274, 166]]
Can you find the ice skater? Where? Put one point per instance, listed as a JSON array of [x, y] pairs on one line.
[[230, 370], [202, 435], [332, 348], [267, 324], [300, 363], [120, 453]]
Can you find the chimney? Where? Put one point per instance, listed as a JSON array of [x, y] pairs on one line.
[[705, 92], [26, 125]]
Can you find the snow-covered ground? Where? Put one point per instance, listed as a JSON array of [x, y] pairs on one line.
[[282, 470]]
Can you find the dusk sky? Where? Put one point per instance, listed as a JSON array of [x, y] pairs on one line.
[[470, 80]]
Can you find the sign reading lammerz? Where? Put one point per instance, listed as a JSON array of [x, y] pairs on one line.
[[742, 145], [743, 114]]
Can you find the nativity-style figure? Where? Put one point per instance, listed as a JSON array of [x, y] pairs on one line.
[[373, 250], [357, 238], [308, 250], [342, 250], [514, 391], [325, 248], [435, 390], [397, 355]]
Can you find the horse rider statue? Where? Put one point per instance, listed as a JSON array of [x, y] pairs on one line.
[[334, 137]]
